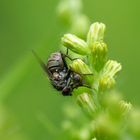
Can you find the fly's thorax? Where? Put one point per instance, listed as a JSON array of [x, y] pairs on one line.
[[55, 61], [59, 75], [55, 65]]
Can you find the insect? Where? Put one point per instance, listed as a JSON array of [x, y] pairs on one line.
[[62, 78]]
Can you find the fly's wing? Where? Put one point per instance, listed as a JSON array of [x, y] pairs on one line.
[[42, 64], [55, 64]]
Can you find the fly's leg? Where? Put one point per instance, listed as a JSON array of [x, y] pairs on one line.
[[67, 55]]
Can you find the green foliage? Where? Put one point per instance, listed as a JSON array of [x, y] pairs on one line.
[[29, 110]]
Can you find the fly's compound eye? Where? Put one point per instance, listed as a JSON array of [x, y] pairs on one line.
[[77, 77]]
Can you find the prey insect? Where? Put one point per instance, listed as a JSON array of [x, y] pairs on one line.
[[61, 77]]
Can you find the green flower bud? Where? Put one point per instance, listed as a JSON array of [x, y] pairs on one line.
[[80, 26], [98, 57], [68, 9], [108, 74], [85, 100], [106, 127], [75, 44], [80, 67], [111, 68], [106, 82], [111, 101], [99, 49], [96, 33], [125, 107]]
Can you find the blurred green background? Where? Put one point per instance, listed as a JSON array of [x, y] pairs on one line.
[[29, 107]]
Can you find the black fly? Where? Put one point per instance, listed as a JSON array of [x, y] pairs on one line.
[[62, 78]]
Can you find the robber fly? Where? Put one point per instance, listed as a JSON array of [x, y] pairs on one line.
[[62, 78]]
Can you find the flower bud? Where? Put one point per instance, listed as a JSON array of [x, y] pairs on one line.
[[85, 100], [107, 127], [108, 73], [111, 68], [96, 33], [125, 107], [80, 25], [75, 44], [99, 49], [80, 67], [68, 9], [106, 82]]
